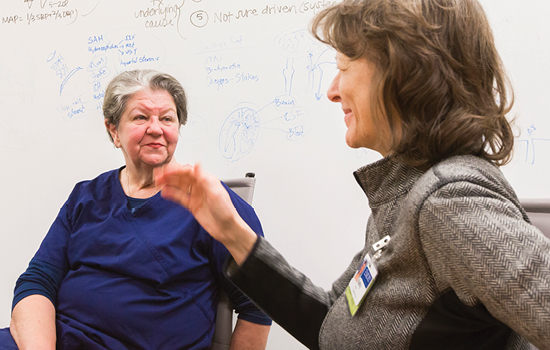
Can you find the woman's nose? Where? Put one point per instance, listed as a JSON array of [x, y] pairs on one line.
[[333, 92], [154, 126]]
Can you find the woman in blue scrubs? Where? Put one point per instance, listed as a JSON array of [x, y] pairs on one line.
[[121, 267]]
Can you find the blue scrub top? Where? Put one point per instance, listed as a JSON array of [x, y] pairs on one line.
[[146, 279]]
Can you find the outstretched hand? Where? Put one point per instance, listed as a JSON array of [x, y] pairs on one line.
[[206, 198]]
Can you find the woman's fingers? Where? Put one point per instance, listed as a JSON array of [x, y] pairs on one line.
[[177, 180], [174, 174], [176, 195]]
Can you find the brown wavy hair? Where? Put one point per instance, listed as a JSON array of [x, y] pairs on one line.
[[440, 81]]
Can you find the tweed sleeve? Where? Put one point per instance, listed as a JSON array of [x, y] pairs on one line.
[[284, 293], [478, 243]]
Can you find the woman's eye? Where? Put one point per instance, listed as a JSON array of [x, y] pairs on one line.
[[140, 117]]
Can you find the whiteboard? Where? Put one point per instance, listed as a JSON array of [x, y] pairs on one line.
[[256, 82]]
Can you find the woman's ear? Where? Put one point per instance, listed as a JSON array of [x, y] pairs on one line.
[[111, 128]]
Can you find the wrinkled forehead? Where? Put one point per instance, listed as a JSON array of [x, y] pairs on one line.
[[151, 101]]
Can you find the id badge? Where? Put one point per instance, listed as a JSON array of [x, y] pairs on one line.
[[360, 284]]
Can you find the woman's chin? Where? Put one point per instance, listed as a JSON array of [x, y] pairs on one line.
[[155, 162], [351, 142]]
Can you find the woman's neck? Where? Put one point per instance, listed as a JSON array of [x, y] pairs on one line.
[[138, 184]]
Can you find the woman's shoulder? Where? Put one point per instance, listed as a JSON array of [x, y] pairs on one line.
[[466, 167], [98, 187], [463, 176]]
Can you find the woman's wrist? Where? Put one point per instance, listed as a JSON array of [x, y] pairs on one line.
[[240, 240]]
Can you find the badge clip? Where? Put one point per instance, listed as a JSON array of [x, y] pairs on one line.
[[379, 246]]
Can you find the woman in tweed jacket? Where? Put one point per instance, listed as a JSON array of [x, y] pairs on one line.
[[459, 265]]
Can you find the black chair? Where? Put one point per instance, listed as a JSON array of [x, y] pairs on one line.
[[538, 211]]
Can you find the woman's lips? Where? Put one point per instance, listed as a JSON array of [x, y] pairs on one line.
[[347, 114]]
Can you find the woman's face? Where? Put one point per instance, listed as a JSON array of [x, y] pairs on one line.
[[352, 87], [148, 131]]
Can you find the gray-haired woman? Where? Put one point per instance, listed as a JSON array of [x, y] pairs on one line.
[[121, 267]]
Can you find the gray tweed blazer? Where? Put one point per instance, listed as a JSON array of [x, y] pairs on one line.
[[464, 268]]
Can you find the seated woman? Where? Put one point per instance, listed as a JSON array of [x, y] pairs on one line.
[[121, 267]]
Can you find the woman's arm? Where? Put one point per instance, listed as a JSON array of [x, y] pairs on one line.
[[33, 323], [282, 292], [249, 336], [33, 312], [265, 277]]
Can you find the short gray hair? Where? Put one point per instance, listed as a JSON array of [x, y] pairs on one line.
[[126, 84]]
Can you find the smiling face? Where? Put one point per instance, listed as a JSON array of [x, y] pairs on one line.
[[148, 131], [352, 87]]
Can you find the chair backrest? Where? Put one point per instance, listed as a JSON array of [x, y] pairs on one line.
[[244, 187], [538, 211]]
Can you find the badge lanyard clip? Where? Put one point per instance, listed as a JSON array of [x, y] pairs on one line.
[[364, 278], [379, 246]]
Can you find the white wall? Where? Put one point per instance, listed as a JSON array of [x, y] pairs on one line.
[[237, 59]]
